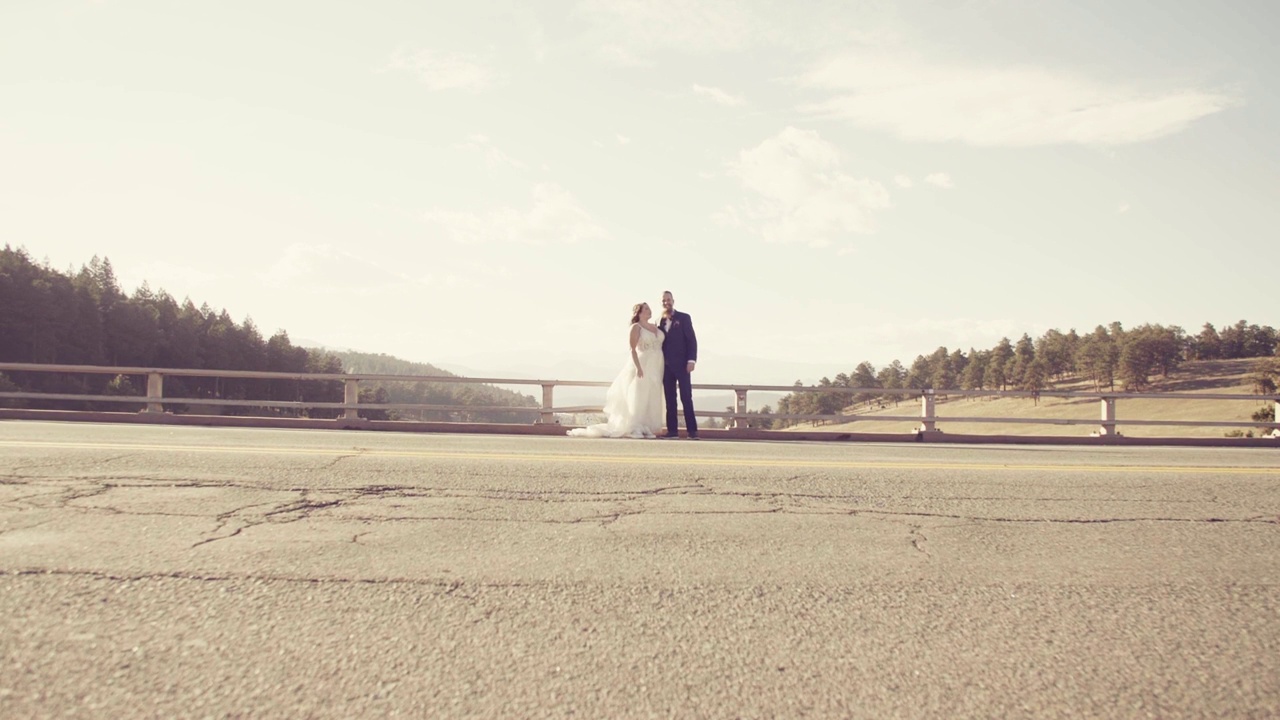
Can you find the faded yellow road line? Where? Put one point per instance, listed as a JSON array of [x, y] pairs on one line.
[[643, 459]]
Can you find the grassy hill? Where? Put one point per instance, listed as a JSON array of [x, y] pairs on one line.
[[1193, 378]]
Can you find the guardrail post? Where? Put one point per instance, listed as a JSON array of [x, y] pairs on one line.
[[546, 417], [350, 398], [155, 391], [928, 420], [1108, 416], [740, 407]]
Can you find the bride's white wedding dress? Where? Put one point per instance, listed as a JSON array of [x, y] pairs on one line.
[[634, 404]]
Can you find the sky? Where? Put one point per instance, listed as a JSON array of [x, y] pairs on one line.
[[490, 186]]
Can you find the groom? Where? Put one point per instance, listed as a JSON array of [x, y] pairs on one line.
[[680, 353]]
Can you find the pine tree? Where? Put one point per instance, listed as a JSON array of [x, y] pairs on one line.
[[1207, 345], [920, 375], [864, 376], [998, 364], [892, 377], [1098, 357], [1056, 350], [975, 371], [1036, 377]]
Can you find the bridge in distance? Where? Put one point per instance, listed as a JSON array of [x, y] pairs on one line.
[[185, 571]]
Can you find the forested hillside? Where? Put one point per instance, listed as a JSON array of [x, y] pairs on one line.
[[84, 318], [1109, 358], [429, 393]]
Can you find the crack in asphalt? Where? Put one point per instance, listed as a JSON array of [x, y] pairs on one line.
[[113, 458], [300, 509], [67, 497], [783, 503], [569, 495], [447, 588], [72, 494], [607, 521], [303, 510], [32, 526], [135, 481], [339, 459], [223, 537], [1069, 521], [918, 540], [612, 518], [19, 502]]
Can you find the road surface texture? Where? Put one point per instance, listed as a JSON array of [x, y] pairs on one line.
[[195, 572]]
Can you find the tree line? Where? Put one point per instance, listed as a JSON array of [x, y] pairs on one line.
[[84, 318], [1109, 357]]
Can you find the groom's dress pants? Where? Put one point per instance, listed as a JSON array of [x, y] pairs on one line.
[[671, 377]]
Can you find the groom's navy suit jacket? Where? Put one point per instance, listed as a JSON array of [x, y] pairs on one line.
[[680, 345]]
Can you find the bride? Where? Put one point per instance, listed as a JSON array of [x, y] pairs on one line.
[[634, 403]]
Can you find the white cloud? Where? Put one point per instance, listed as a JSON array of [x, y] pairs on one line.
[[999, 106], [622, 56], [800, 194], [939, 179], [493, 157], [326, 269], [553, 217], [633, 32], [1124, 208], [636, 28], [728, 216], [623, 139], [537, 39], [476, 275], [902, 181], [443, 71], [717, 95]]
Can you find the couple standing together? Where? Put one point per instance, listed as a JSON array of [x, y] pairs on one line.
[[663, 354]]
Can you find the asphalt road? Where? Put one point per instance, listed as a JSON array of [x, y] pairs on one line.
[[188, 572]]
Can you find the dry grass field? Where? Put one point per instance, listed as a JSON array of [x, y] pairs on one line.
[[1193, 378]]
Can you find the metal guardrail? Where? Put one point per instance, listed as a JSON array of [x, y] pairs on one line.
[[737, 417]]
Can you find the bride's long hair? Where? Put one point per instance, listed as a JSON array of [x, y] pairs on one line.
[[635, 312]]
